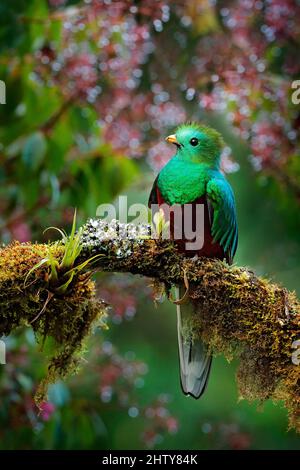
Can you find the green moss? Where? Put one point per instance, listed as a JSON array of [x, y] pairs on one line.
[[68, 318], [236, 313]]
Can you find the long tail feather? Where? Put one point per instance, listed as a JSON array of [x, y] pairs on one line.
[[194, 358]]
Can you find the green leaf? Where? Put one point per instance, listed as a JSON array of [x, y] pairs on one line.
[[82, 265], [63, 288], [59, 394], [35, 267], [25, 381], [34, 151], [62, 232]]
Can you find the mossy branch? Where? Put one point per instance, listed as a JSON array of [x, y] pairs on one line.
[[236, 312]]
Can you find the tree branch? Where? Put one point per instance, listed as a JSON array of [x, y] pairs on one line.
[[236, 313]]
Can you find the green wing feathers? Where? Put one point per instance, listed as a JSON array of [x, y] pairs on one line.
[[224, 224]]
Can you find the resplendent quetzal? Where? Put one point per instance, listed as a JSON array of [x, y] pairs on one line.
[[193, 177]]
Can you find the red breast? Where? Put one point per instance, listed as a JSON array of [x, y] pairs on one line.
[[209, 249]]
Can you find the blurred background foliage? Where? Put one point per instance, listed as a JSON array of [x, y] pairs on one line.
[[92, 89]]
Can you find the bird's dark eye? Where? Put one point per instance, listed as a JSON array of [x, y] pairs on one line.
[[194, 141]]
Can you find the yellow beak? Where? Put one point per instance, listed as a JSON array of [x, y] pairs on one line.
[[172, 139]]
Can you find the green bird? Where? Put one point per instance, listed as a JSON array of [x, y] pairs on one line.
[[206, 226]]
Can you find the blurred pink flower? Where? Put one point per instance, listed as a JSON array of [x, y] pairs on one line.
[[20, 231], [47, 410]]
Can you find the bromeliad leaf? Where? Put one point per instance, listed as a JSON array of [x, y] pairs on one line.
[[81, 266], [160, 225], [73, 246], [63, 272], [62, 232], [35, 267]]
